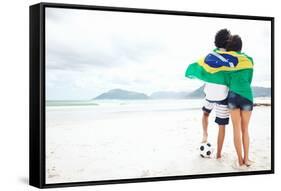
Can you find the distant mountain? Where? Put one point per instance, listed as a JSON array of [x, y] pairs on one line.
[[198, 93], [261, 92], [257, 91], [168, 95], [121, 94]]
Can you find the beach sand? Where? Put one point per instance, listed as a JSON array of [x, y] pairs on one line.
[[142, 139]]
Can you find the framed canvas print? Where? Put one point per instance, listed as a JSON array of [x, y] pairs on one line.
[[121, 95]]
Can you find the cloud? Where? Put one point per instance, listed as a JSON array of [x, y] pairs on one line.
[[89, 52]]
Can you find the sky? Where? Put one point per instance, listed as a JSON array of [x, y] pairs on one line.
[[90, 52]]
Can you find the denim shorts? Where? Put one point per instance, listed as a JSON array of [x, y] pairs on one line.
[[235, 101]]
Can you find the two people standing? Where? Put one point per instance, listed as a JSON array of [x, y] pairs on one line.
[[227, 74]]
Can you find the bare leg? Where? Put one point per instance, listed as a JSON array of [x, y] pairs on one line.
[[205, 126], [220, 140], [245, 118], [236, 121]]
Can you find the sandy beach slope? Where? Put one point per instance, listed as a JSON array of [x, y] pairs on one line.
[[141, 139]]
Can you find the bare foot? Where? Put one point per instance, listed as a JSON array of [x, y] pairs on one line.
[[248, 163], [205, 138], [237, 166], [218, 156]]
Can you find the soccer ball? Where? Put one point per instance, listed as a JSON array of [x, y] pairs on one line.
[[205, 150]]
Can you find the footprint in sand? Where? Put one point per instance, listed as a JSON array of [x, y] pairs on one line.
[[145, 173], [52, 173], [81, 170]]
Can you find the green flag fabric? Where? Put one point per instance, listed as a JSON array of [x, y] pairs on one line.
[[233, 69]]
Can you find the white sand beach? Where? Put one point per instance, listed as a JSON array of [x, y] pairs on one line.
[[136, 139]]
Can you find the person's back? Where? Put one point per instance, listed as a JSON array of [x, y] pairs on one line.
[[216, 95], [241, 80], [215, 92], [220, 93], [240, 104]]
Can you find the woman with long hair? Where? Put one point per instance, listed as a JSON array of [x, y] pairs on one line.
[[240, 107]]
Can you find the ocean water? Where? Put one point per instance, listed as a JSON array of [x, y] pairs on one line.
[[158, 103], [127, 105], [100, 109]]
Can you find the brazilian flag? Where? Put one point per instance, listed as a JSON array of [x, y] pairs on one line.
[[233, 69]]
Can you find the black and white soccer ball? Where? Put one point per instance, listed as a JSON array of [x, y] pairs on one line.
[[206, 150]]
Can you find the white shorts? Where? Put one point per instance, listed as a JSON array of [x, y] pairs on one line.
[[221, 109]]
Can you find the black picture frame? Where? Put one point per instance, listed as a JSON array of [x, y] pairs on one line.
[[37, 94]]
